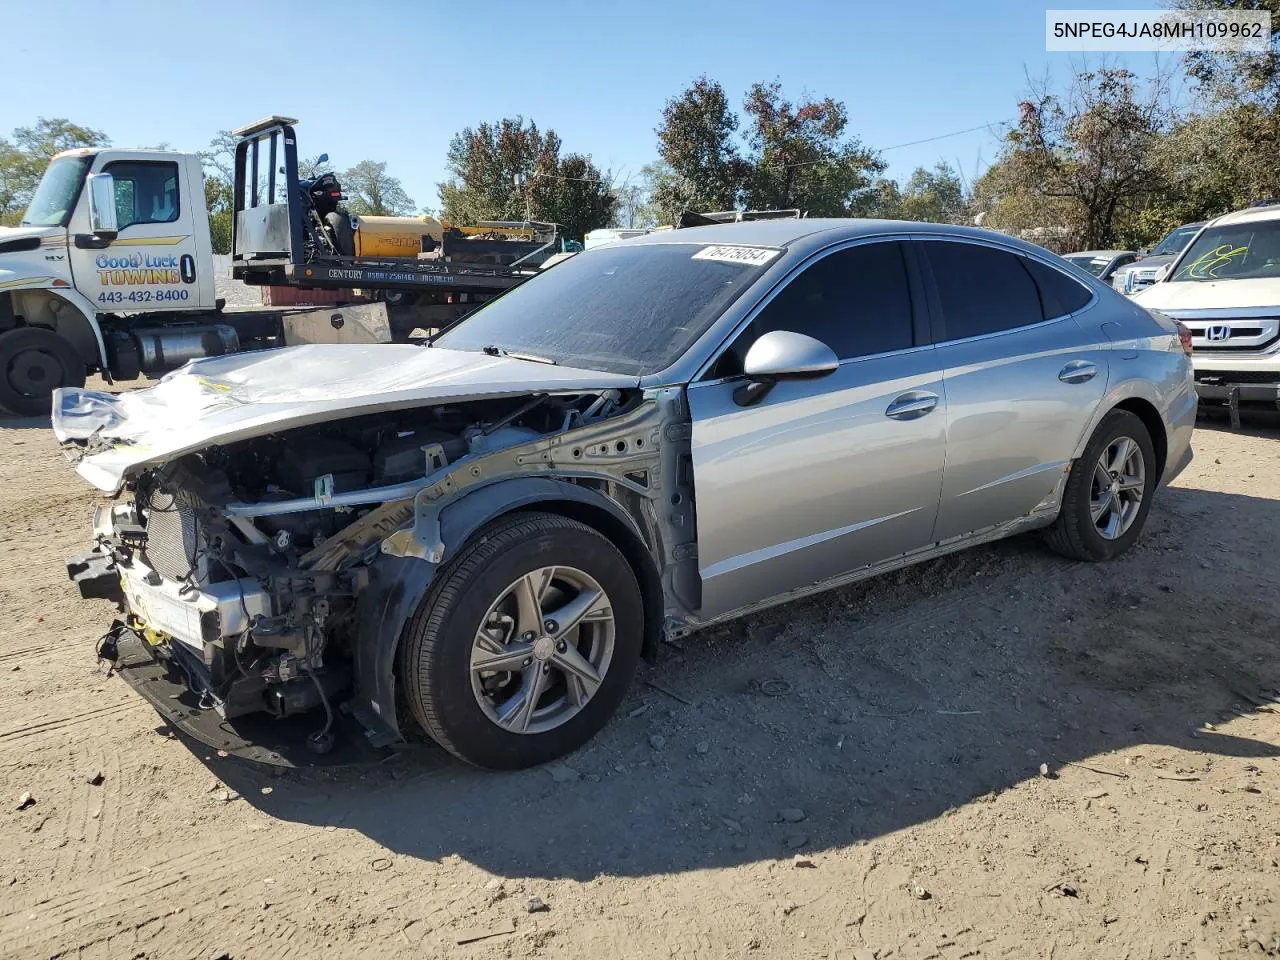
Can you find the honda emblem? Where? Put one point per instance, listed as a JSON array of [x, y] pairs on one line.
[[1218, 332]]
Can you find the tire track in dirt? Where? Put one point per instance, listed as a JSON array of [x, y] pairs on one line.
[[46, 726], [131, 898]]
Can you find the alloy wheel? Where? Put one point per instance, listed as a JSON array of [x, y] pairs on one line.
[[1119, 481], [542, 649]]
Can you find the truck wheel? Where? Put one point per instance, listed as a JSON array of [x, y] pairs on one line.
[[344, 238], [1108, 491], [524, 649], [33, 363]]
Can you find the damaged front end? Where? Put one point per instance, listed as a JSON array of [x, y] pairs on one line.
[[270, 577]]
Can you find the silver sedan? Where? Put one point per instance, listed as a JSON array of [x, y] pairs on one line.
[[650, 437]]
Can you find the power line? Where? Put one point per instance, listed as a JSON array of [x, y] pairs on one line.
[[556, 176], [899, 146], [810, 163], [946, 136]]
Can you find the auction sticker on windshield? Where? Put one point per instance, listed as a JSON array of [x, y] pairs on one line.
[[752, 256]]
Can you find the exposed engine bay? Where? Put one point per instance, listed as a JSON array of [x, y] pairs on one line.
[[242, 566]]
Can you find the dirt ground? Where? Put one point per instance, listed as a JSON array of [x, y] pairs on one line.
[[855, 776]]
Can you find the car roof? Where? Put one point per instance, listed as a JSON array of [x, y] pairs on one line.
[[1109, 254], [1249, 215], [803, 234]]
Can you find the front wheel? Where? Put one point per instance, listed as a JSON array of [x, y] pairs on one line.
[[525, 648], [1108, 491], [33, 363]]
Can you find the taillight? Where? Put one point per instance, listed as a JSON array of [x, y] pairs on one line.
[[1184, 338]]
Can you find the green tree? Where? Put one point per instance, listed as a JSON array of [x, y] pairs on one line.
[[218, 197], [633, 207], [511, 170], [700, 168], [218, 160], [494, 171], [1082, 164], [1237, 77], [579, 197], [24, 157], [372, 192], [934, 196], [800, 156]]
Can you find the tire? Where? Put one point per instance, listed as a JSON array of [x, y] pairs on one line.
[[344, 238], [1076, 533], [33, 363], [459, 705]]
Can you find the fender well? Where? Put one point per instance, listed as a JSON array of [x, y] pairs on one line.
[[1145, 411], [396, 586], [462, 520], [69, 315]]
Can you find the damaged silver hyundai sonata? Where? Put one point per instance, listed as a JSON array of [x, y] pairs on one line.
[[479, 538]]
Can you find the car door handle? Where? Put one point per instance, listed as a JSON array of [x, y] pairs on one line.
[[912, 406], [1078, 371]]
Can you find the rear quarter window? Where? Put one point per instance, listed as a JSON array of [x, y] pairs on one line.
[[1059, 294]]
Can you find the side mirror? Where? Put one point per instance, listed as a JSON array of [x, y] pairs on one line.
[[782, 355], [102, 205], [1163, 272], [323, 158]]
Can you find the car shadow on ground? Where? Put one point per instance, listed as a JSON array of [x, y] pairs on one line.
[[863, 711], [10, 422]]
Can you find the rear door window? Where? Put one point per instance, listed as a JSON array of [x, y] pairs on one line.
[[982, 289]]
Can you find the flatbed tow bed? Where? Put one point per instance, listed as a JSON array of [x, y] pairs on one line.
[[276, 241]]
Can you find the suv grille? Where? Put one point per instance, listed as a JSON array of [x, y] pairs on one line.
[[1234, 334]]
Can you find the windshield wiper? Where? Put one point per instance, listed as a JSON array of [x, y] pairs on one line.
[[496, 351]]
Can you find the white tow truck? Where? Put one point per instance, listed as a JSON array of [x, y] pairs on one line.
[[111, 269]]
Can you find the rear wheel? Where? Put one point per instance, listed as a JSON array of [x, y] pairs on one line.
[[33, 363], [525, 648], [1108, 491], [344, 238]]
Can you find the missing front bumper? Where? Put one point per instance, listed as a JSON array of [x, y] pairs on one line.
[[261, 738]]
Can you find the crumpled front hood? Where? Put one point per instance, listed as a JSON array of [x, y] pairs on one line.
[[221, 400], [1211, 294]]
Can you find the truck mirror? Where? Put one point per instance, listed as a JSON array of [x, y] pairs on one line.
[[102, 205]]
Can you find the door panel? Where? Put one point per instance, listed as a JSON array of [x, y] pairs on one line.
[[154, 263], [817, 479], [1017, 403]]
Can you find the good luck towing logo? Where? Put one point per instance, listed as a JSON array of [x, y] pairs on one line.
[[136, 269]]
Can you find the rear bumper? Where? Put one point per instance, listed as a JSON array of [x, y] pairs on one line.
[[1222, 389]]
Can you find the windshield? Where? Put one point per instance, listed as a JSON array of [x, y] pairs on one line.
[[1095, 265], [55, 196], [1176, 241], [622, 309], [1235, 252]]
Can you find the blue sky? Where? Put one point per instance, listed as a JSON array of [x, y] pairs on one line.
[[394, 81]]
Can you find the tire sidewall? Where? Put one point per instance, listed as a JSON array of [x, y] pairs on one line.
[[448, 680], [45, 341], [1116, 424]]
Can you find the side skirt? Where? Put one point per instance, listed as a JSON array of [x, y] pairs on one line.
[[988, 535]]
